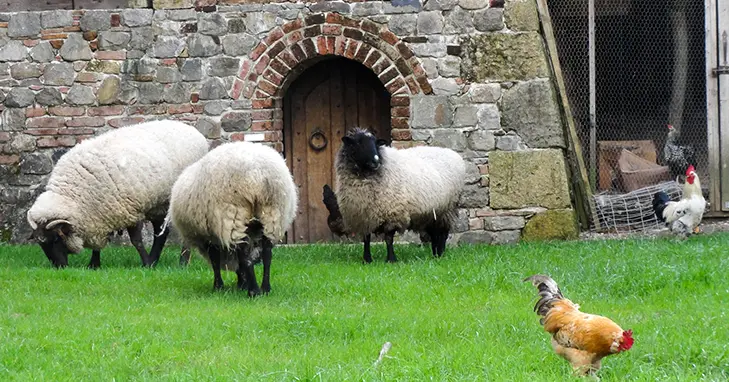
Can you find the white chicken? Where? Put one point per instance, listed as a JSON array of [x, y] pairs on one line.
[[682, 217]]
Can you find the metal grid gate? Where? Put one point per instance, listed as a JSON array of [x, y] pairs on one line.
[[632, 68]]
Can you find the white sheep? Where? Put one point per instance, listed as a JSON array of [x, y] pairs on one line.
[[110, 182], [237, 199], [383, 190]]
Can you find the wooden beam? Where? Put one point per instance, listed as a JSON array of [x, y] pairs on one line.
[[585, 204], [712, 105]]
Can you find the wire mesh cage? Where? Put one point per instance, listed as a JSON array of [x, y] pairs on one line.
[[637, 91]]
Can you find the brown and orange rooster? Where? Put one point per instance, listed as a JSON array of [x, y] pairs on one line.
[[582, 339]]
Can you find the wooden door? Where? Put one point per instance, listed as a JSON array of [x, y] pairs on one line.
[[717, 97], [319, 107]]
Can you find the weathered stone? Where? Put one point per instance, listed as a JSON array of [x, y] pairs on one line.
[[551, 225], [223, 66], [521, 179], [57, 154], [449, 66], [13, 119], [49, 97], [150, 92], [236, 121], [42, 52], [429, 49], [450, 138], [168, 46], [212, 24], [366, 8], [192, 70], [403, 25], [182, 14], [488, 117], [129, 93], [484, 93], [35, 163], [530, 109], [481, 140], [56, 19], [137, 17], [473, 4], [19, 97], [95, 21], [259, 22], [401, 6], [500, 223], [445, 86], [24, 24], [489, 20], [213, 88], [22, 143], [430, 23], [430, 66], [465, 116], [474, 197], [80, 95], [239, 45], [486, 237], [110, 40], [177, 93], [144, 37], [457, 21], [215, 107], [209, 128], [236, 25], [200, 45], [521, 15], [104, 66], [503, 57], [330, 6], [75, 48], [171, 4], [109, 90], [473, 174], [431, 112], [510, 143], [13, 50], [168, 74], [439, 5], [25, 70]]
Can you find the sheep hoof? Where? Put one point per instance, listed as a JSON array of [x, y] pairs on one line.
[[266, 288], [254, 292]]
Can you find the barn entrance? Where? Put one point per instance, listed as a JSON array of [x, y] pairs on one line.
[[325, 101]]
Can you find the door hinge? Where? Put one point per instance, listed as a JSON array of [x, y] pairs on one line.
[[720, 70]]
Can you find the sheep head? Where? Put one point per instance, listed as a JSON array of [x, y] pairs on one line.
[[56, 237], [362, 150]]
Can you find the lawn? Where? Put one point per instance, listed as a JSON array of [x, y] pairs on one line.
[[464, 317]]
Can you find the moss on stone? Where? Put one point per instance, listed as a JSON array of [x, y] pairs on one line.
[[522, 15], [504, 57], [551, 225]]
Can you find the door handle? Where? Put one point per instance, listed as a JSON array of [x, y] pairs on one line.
[[317, 140]]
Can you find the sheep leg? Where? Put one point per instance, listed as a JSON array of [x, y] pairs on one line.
[[135, 236], [266, 255], [95, 262], [389, 238], [159, 240], [442, 238], [214, 255], [367, 254], [246, 271], [185, 256]]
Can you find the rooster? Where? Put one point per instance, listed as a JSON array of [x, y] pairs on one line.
[[675, 156], [682, 217], [582, 339]]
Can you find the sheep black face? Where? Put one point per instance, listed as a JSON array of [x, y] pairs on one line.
[[52, 239], [362, 149]]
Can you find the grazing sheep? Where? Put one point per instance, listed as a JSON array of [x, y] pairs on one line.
[[383, 190], [237, 199], [110, 182]]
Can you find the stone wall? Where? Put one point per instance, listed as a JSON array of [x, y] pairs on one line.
[[471, 75]]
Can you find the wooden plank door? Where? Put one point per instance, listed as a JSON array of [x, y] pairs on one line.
[[319, 107], [717, 85]]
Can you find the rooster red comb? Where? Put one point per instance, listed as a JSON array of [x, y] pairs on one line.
[[670, 126], [690, 169], [628, 340]]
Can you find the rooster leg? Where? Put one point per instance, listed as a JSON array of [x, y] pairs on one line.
[[697, 230], [581, 361]]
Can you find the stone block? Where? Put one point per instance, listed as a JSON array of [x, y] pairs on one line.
[[168, 74], [75, 48], [200, 45], [450, 138], [236, 121], [42, 52], [109, 90], [35, 163], [213, 88], [485, 93], [487, 237], [24, 24], [449, 66], [171, 4], [445, 86], [236, 25], [430, 112], [510, 142], [521, 179], [489, 20], [22, 143], [177, 93], [144, 37], [192, 70], [501, 223], [80, 95], [49, 97], [215, 107], [551, 225], [522, 15], [488, 117], [56, 19], [150, 93], [457, 21], [239, 45], [481, 140], [402, 25], [530, 109], [465, 116], [213, 24], [25, 70], [112, 40], [439, 5], [95, 20], [503, 57], [137, 17], [474, 196], [13, 50], [19, 97], [12, 119], [259, 22], [223, 66], [168, 46], [209, 128]]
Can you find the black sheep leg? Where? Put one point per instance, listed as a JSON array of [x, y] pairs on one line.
[[214, 255], [246, 272], [367, 254], [266, 255], [389, 238], [442, 238], [159, 241], [135, 236], [95, 262]]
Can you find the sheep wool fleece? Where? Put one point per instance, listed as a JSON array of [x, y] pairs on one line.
[[214, 199], [116, 179], [411, 187]]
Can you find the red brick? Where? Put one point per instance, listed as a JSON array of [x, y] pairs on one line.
[[87, 77], [340, 45], [400, 111], [314, 19], [370, 26], [397, 86], [389, 37], [237, 137], [399, 123], [362, 52], [483, 169], [309, 48], [90, 35], [418, 71], [288, 58], [262, 125], [276, 49], [179, 109], [4, 24], [115, 19], [244, 68], [105, 110], [57, 44], [352, 33], [46, 122], [125, 121], [262, 103], [262, 115], [35, 87], [57, 36], [66, 111], [56, 142], [331, 44], [44, 131], [351, 48], [400, 101], [273, 136], [274, 36], [35, 112], [273, 77], [51, 31], [31, 43], [372, 58], [412, 85], [279, 67], [321, 44], [402, 135], [110, 55], [261, 65], [147, 110], [261, 94], [75, 131], [331, 30], [294, 37], [298, 53], [249, 88], [312, 31], [267, 87], [168, 61], [86, 122], [4, 137], [424, 85], [278, 125], [81, 138], [237, 89], [194, 97], [404, 50], [334, 18], [9, 159], [75, 28], [403, 67], [381, 65], [292, 25], [258, 51], [198, 108]]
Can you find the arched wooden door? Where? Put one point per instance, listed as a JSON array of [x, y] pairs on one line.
[[319, 107]]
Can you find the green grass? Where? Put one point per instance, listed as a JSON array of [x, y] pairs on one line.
[[464, 317]]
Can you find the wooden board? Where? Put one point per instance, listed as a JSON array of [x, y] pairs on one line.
[[609, 152]]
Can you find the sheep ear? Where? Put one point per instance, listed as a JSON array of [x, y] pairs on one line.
[[347, 140], [63, 225], [381, 142]]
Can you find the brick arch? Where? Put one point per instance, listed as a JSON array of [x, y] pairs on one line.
[[266, 71]]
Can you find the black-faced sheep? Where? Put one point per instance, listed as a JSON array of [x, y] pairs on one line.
[[110, 182], [384, 190], [237, 199]]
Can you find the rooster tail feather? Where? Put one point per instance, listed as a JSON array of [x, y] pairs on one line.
[[549, 292], [660, 201]]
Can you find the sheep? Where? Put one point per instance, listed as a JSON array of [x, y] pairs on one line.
[[383, 190], [110, 182], [233, 205]]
